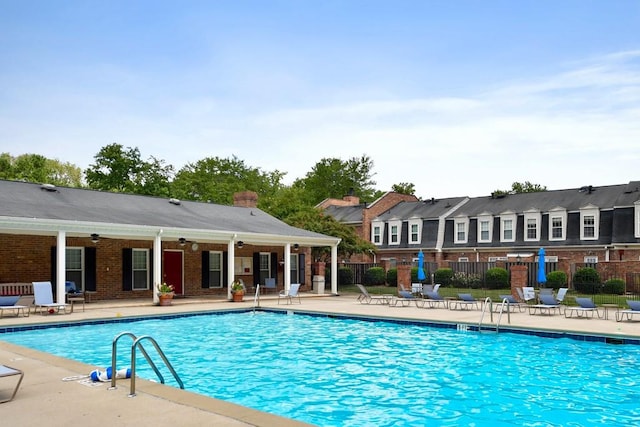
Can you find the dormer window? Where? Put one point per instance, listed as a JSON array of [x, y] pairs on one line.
[[461, 227], [485, 228], [589, 221], [557, 225], [376, 232], [508, 227], [532, 221], [415, 231], [394, 232]]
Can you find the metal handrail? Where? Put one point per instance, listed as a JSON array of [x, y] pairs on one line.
[[489, 303], [256, 298], [137, 343]]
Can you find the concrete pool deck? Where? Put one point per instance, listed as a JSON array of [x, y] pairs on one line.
[[55, 391]]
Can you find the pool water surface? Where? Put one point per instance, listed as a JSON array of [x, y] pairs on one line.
[[346, 372]]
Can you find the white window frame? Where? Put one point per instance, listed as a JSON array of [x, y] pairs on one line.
[[376, 231], [587, 212], [636, 215], [134, 269], [213, 272], [591, 259], [68, 258], [418, 224], [463, 259], [536, 217], [562, 215], [514, 221], [395, 225], [498, 258], [488, 219], [464, 223]]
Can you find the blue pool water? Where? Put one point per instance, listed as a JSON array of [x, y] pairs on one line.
[[336, 372]]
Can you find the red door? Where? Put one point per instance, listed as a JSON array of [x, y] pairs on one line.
[[172, 270]]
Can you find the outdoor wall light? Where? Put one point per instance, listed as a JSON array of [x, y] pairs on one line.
[[240, 244], [95, 238], [182, 241], [296, 246]]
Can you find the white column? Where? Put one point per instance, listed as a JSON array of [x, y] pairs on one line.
[[61, 267], [287, 267], [334, 269], [231, 266], [157, 265]]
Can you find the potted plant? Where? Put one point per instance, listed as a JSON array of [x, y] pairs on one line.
[[165, 293], [237, 290]]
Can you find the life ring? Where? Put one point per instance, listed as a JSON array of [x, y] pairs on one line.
[[98, 375]]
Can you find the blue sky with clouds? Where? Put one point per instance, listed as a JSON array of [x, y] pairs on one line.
[[459, 97]]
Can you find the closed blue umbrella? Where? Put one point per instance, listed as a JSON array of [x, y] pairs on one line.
[[542, 276], [421, 275]]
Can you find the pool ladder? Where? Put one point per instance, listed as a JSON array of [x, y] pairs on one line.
[[493, 327], [137, 343]]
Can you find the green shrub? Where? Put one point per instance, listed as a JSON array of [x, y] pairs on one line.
[[392, 277], [374, 276], [443, 276], [556, 279], [587, 280], [465, 280], [614, 286], [345, 276], [496, 278]]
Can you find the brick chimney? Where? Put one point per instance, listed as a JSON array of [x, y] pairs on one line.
[[245, 199]]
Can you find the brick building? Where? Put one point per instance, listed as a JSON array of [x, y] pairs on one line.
[[588, 225], [118, 245]]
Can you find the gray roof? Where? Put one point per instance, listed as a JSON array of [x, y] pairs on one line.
[[37, 203], [604, 197], [346, 214], [427, 209]]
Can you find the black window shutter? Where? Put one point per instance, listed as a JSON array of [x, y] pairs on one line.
[[127, 269], [274, 265], [151, 277], [256, 268], [54, 265], [89, 268], [225, 272], [301, 271], [205, 269]]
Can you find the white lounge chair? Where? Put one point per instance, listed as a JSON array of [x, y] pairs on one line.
[[43, 295], [634, 308], [465, 302], [293, 293], [7, 371], [366, 298], [548, 305]]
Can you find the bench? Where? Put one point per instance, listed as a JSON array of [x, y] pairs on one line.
[[16, 288]]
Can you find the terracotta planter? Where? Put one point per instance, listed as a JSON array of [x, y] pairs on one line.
[[165, 299], [238, 296]]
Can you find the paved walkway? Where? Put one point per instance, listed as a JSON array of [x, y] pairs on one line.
[[52, 391]]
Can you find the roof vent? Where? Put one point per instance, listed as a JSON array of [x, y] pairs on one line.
[[176, 202], [586, 189], [48, 187]]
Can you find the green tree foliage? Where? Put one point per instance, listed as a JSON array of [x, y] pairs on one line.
[[215, 180], [404, 188], [39, 169], [521, 187], [335, 178], [313, 219], [122, 170]]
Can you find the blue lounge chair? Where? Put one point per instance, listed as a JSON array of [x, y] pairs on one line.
[[434, 299], [512, 304], [548, 305], [634, 308], [16, 304], [404, 298], [584, 307], [465, 302], [270, 285]]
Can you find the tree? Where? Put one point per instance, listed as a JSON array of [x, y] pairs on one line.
[[122, 170], [39, 169], [215, 180], [334, 178], [404, 188], [313, 219], [518, 187]]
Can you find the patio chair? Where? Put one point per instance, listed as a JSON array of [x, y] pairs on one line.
[[16, 304], [404, 298], [512, 304], [634, 308], [43, 295], [289, 296], [548, 304], [366, 298], [584, 307], [73, 294], [528, 293], [434, 299], [270, 285], [465, 302], [7, 371]]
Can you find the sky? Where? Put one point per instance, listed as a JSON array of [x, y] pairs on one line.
[[458, 97]]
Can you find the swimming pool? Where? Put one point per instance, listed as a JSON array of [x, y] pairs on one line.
[[335, 372]]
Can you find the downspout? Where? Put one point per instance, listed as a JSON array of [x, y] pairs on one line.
[[157, 264], [334, 269], [61, 267]]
